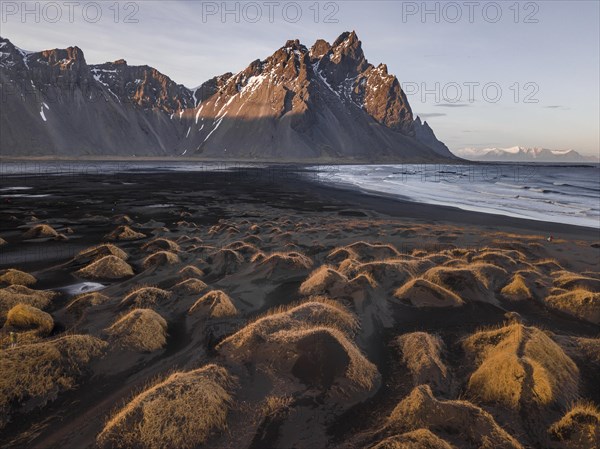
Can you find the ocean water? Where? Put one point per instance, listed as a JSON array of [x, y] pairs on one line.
[[562, 194]]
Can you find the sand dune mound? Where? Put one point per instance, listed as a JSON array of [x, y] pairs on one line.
[[122, 219], [324, 280], [517, 289], [183, 411], [578, 429], [161, 244], [125, 233], [417, 439], [468, 284], [191, 271], [496, 257], [520, 366], [451, 420], [282, 264], [244, 248], [224, 261], [363, 252], [571, 281], [85, 300], [253, 240], [19, 294], [145, 297], [189, 286], [422, 354], [160, 258], [423, 293], [548, 265], [580, 303], [141, 330], [16, 277], [40, 371], [41, 231], [25, 318], [108, 267], [388, 273], [98, 252], [214, 304]]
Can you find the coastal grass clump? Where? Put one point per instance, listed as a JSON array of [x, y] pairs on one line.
[[160, 258], [26, 318], [124, 232], [189, 286], [456, 418], [99, 251], [107, 268], [191, 271], [324, 280], [517, 289], [572, 281], [144, 297], [161, 244], [39, 372], [40, 231], [214, 304], [364, 252], [224, 261], [141, 330], [422, 353], [16, 277], [519, 366], [81, 302], [467, 283], [416, 439], [423, 293], [282, 263], [579, 428], [580, 303], [19, 294], [182, 411]]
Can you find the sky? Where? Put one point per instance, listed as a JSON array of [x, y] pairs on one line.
[[482, 74]]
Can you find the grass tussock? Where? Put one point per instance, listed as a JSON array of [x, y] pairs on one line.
[[124, 232], [324, 280], [190, 271], [578, 429], [465, 282], [40, 371], [19, 294], [417, 439], [160, 258], [17, 277], [214, 304], [572, 281], [423, 293], [40, 231], [477, 428], [495, 257], [244, 248], [161, 244], [282, 262], [422, 354], [141, 330], [388, 273], [108, 268], [517, 289], [85, 300], [225, 261], [183, 411], [363, 252], [99, 251], [145, 297], [518, 366], [189, 286], [579, 302], [25, 318]]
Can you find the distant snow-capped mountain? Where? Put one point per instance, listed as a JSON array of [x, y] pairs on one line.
[[522, 154]]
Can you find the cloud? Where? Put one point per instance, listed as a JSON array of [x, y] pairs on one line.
[[557, 106], [432, 114]]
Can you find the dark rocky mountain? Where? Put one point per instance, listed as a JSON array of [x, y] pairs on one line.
[[326, 103], [424, 134]]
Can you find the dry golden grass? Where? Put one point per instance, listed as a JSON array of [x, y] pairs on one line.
[[324, 280], [40, 231], [469, 284], [417, 439], [214, 304], [274, 406], [422, 354], [579, 428], [160, 258], [145, 297], [24, 318], [190, 271], [19, 294], [141, 330], [548, 265], [474, 426], [189, 286], [282, 263], [422, 293], [40, 371], [109, 267], [572, 281], [225, 261], [391, 272], [580, 303], [98, 252], [243, 248], [518, 366], [17, 277], [495, 257], [125, 233], [517, 289], [183, 411], [363, 251], [85, 300], [161, 244]]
